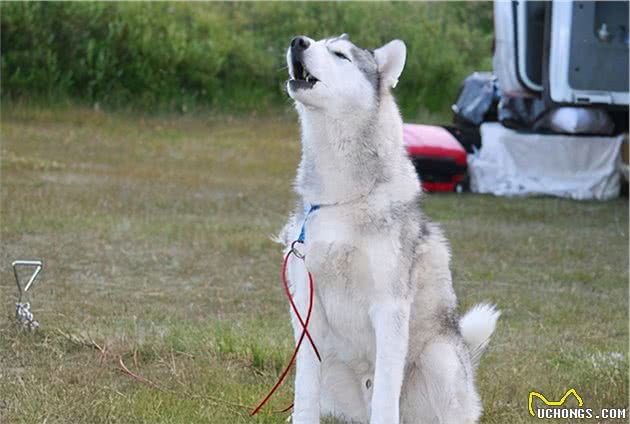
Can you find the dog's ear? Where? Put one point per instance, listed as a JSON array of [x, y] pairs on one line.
[[391, 60]]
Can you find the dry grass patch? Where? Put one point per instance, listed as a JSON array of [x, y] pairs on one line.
[[155, 234]]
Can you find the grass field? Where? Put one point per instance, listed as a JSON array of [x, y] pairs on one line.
[[155, 234]]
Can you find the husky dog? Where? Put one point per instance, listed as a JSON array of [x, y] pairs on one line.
[[384, 318]]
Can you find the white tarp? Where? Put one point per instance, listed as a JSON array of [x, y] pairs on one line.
[[510, 163]]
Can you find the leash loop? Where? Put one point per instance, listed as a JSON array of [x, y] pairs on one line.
[[295, 251]]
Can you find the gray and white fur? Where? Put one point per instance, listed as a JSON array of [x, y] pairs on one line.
[[394, 349]]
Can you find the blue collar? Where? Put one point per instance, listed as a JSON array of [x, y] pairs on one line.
[[307, 211]]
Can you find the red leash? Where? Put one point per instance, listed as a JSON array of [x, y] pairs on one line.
[[303, 323], [297, 313]]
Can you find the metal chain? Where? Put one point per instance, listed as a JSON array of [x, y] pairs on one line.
[[24, 315]]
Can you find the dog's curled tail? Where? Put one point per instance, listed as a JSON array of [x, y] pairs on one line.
[[476, 326]]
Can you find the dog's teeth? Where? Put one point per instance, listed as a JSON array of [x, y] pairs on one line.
[[304, 73]]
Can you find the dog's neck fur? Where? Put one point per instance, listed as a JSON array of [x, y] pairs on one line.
[[348, 156]]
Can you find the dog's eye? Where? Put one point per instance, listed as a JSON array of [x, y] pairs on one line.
[[341, 55]]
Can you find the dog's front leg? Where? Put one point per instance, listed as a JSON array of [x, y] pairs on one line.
[[308, 374], [391, 325], [307, 386]]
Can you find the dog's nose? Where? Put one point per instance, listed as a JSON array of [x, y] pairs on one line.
[[300, 43]]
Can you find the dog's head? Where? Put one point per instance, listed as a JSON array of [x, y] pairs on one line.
[[334, 74]]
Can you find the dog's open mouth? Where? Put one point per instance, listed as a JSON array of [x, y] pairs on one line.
[[301, 77]]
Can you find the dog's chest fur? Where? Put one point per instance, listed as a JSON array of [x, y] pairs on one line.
[[350, 273]]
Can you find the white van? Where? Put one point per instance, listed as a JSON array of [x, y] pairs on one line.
[[568, 52]]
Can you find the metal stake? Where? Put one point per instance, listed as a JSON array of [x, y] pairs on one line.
[[23, 312]]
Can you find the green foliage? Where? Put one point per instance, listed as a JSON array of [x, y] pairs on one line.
[[229, 56]]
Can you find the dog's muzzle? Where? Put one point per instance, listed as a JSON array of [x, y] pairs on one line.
[[301, 78]]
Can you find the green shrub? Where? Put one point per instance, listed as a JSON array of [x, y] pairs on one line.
[[228, 56]]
